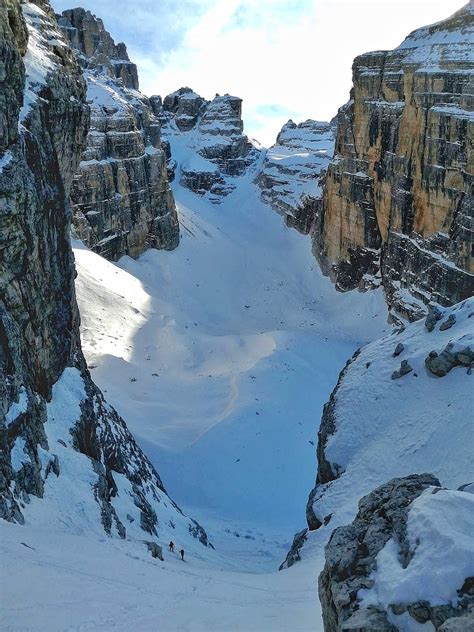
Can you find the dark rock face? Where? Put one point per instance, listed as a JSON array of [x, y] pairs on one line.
[[121, 200], [404, 369], [294, 553], [211, 134], [351, 558], [51, 413], [39, 320], [449, 358], [155, 550], [12, 26], [293, 172], [185, 106], [327, 471], [398, 194]]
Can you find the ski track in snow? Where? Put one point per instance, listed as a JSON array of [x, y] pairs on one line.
[[219, 356]]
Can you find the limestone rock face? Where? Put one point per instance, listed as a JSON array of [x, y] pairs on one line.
[[184, 106], [60, 441], [398, 196], [121, 200], [293, 170], [352, 556], [97, 49], [208, 140]]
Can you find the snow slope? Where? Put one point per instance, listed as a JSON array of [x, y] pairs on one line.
[[234, 349], [220, 356], [81, 584], [416, 423]]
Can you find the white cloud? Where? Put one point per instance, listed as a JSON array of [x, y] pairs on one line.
[[284, 58]]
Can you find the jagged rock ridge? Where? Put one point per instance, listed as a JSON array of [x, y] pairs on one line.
[[398, 195], [207, 139], [293, 170], [67, 459], [121, 199]]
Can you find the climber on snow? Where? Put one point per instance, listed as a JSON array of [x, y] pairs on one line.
[[171, 546], [182, 554]]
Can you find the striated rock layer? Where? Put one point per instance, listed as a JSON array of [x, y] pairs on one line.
[[208, 140], [60, 441], [398, 197], [121, 200], [293, 170]]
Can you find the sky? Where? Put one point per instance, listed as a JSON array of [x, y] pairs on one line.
[[284, 58]]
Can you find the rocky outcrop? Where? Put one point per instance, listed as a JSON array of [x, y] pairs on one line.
[[354, 569], [398, 194], [60, 441], [183, 107], [121, 199], [293, 555], [97, 50], [208, 139], [293, 170]]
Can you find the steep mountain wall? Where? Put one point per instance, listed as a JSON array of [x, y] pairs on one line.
[[398, 195], [121, 200], [293, 169], [212, 133], [67, 459]]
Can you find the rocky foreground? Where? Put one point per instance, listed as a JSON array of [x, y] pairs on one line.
[[402, 562], [394, 209]]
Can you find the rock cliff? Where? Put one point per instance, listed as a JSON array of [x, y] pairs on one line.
[[293, 170], [207, 139], [398, 203], [67, 459], [121, 200]]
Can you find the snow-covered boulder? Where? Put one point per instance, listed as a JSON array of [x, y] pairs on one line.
[[207, 141], [405, 560], [293, 169], [121, 199]]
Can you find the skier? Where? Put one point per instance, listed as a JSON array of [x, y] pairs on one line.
[[182, 554], [171, 546]]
